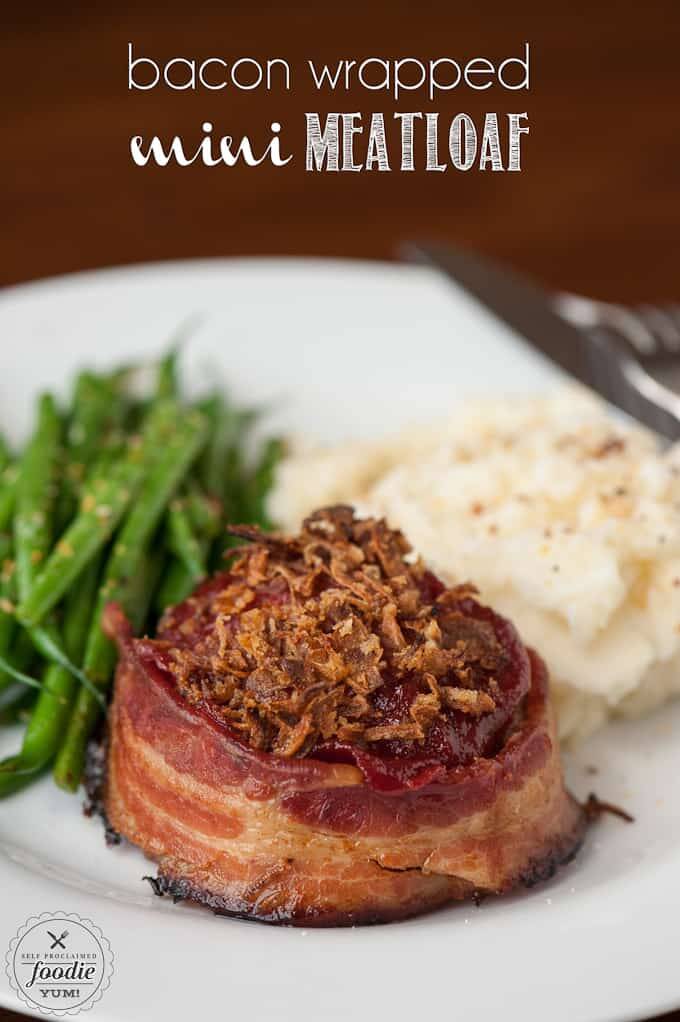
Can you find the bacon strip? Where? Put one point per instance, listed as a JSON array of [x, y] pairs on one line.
[[307, 842]]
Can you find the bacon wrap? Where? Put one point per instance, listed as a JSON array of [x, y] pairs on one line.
[[311, 842]]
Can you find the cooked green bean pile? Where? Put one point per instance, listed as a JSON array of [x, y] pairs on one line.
[[115, 498]]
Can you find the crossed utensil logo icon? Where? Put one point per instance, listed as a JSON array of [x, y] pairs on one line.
[[59, 963], [58, 941]]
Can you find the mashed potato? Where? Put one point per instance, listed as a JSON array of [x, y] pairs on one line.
[[566, 520]]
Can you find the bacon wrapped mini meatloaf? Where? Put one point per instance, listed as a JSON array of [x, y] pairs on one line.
[[326, 734]]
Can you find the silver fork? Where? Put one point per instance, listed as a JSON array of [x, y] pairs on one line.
[[651, 332], [629, 356], [648, 340]]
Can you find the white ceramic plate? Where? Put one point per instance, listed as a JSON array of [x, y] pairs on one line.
[[600, 942]]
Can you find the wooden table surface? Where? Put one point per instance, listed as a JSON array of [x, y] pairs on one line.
[[595, 209]]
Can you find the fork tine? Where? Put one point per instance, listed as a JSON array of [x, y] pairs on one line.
[[663, 326], [631, 327], [673, 310]]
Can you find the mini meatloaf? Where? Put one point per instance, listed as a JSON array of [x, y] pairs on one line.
[[325, 734]]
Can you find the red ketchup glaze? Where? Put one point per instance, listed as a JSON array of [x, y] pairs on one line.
[[454, 740]]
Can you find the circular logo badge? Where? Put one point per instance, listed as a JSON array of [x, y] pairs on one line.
[[59, 963]]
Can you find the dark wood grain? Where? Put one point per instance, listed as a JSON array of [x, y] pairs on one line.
[[596, 208]]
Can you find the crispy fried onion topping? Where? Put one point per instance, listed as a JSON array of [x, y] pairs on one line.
[[310, 635]]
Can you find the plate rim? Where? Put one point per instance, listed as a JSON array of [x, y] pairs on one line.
[[118, 274]]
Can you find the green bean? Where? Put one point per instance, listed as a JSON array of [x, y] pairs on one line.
[[36, 495], [118, 378], [220, 462], [59, 686], [167, 385], [8, 494], [47, 641], [95, 411], [5, 546], [14, 775], [4, 454], [209, 466], [7, 485], [108, 458], [232, 489], [165, 510], [7, 474], [109, 483], [52, 709], [106, 499], [233, 469], [15, 704], [176, 584], [18, 675], [18, 771], [183, 541], [9, 695], [7, 624], [175, 458], [22, 651], [21, 657], [247, 499], [167, 381], [180, 577], [261, 482], [70, 760], [143, 587], [205, 512]]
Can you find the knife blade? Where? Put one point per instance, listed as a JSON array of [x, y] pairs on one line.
[[593, 358]]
